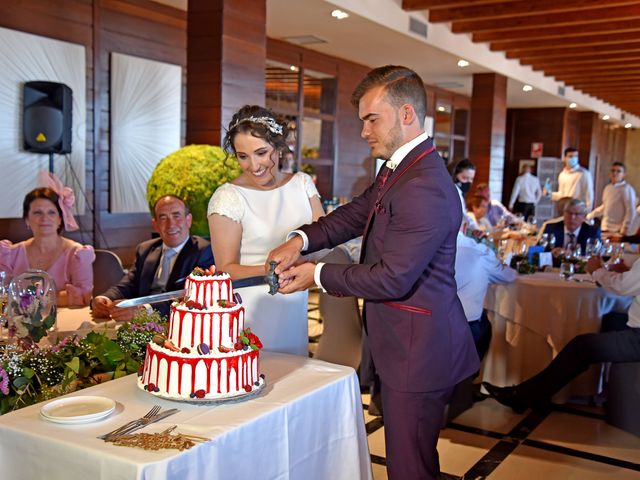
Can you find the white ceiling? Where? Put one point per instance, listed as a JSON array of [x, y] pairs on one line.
[[376, 33]]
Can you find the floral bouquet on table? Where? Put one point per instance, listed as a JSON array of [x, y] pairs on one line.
[[32, 306], [30, 374]]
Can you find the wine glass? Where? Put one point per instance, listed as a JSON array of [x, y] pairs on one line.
[[533, 221], [4, 298], [566, 270], [552, 240], [606, 251], [592, 247], [544, 240]]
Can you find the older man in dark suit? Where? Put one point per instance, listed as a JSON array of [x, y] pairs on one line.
[[572, 229], [409, 218], [161, 264]]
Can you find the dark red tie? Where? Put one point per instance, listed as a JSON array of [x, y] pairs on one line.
[[384, 176]]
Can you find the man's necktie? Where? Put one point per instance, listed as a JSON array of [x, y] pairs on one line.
[[384, 176], [165, 270], [572, 239]]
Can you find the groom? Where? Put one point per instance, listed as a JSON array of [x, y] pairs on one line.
[[409, 219]]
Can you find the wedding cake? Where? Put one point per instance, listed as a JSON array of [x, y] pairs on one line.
[[207, 353]]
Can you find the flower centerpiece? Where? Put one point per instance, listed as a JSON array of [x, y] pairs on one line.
[[32, 306], [30, 373]]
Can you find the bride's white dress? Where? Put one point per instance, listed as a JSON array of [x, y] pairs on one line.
[[267, 216]]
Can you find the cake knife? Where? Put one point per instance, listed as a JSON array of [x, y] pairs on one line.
[[270, 279]]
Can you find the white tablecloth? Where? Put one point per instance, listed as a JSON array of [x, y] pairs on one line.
[[534, 318], [307, 424]]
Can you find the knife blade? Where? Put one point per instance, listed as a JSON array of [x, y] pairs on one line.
[[270, 279]]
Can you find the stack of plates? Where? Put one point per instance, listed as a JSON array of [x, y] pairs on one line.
[[81, 409]]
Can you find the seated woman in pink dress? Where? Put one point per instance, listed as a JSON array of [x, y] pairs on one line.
[[67, 262]]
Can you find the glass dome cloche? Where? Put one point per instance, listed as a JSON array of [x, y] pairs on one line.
[[32, 306]]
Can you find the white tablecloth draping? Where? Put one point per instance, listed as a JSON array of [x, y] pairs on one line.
[[307, 424], [534, 318]]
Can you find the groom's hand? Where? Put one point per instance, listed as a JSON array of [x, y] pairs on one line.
[[297, 278], [286, 254]]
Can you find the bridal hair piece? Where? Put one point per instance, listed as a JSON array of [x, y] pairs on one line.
[[273, 126]]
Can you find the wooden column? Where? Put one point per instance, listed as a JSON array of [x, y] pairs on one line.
[[488, 129], [226, 55]]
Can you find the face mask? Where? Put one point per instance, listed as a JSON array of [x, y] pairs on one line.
[[573, 162], [464, 187]]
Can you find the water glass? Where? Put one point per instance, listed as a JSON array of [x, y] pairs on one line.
[[4, 298], [592, 247], [566, 270], [544, 240]]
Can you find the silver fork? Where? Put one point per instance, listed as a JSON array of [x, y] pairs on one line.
[[150, 414]]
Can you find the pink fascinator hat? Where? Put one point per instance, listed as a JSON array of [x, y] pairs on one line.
[[66, 198]]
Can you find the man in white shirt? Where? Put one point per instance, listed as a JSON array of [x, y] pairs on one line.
[[574, 181], [476, 267], [618, 203], [615, 346], [526, 193]]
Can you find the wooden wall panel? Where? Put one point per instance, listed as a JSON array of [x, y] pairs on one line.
[[525, 126], [136, 27], [487, 133]]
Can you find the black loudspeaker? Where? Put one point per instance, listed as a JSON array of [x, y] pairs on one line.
[[47, 117]]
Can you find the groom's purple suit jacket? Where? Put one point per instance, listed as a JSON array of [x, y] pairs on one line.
[[418, 334]]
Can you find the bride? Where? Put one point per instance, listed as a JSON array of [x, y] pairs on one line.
[[251, 215]]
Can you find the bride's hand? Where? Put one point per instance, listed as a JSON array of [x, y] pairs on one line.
[[297, 278], [286, 254]]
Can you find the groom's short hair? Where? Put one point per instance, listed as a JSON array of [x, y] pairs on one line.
[[402, 85]]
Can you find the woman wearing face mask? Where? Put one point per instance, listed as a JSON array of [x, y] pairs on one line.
[[574, 181], [251, 215], [463, 174]]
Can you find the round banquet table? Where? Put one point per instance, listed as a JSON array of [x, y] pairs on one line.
[[535, 317]]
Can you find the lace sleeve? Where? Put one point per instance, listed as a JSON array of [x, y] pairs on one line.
[[309, 186], [228, 202]]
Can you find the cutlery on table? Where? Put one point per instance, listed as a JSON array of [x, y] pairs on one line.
[[142, 423], [154, 411]]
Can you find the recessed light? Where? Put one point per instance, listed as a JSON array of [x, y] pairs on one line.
[[527, 88], [606, 117], [463, 63], [627, 125], [339, 14], [573, 105], [293, 68]]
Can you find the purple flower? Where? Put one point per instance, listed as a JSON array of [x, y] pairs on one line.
[[4, 381], [25, 301]]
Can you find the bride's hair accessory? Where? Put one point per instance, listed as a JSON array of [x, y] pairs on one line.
[[272, 125], [66, 198]]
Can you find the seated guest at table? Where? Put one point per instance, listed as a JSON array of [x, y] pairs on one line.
[[47, 212], [496, 211], [476, 267], [161, 264], [463, 174], [477, 207], [613, 346], [572, 229]]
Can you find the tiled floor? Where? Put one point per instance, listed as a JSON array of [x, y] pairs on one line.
[[490, 441]]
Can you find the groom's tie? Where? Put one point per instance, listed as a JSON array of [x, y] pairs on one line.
[[384, 176]]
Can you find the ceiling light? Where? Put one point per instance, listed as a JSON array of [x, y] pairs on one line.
[[339, 14], [293, 68], [606, 117], [627, 125], [463, 63], [441, 109], [527, 88], [573, 105]]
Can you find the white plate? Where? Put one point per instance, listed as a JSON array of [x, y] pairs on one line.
[[80, 409]]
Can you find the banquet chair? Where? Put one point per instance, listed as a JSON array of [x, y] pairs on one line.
[[342, 333], [107, 271], [623, 397]]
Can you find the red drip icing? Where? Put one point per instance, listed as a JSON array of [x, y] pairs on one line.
[[193, 329], [220, 329], [193, 377], [219, 370], [201, 331], [208, 365], [180, 367], [181, 316], [233, 364]]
